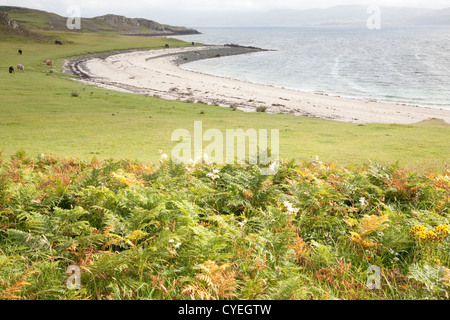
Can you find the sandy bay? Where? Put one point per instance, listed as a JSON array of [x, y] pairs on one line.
[[159, 73]]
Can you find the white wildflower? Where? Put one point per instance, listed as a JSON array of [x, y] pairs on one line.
[[213, 176], [363, 201], [274, 166], [171, 240], [163, 157], [177, 245], [242, 223], [290, 208], [317, 161]]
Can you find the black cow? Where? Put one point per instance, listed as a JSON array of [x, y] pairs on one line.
[[58, 42], [167, 45], [193, 43], [20, 52], [11, 69]]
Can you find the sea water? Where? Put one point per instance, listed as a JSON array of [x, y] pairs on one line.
[[403, 65]]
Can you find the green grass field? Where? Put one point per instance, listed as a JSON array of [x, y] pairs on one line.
[[40, 115]]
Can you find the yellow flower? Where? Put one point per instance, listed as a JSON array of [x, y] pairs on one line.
[[419, 228], [436, 261], [422, 233], [431, 235], [443, 230]]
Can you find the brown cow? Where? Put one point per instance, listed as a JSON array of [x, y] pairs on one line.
[[49, 62]]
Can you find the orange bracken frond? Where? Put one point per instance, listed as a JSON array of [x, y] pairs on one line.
[[12, 292], [370, 224], [214, 282]]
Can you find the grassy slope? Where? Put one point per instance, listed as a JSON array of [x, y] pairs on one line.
[[29, 18], [39, 114], [38, 21]]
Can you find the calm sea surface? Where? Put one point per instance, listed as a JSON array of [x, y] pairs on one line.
[[409, 65]]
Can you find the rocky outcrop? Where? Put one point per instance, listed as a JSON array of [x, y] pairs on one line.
[[119, 22], [9, 25]]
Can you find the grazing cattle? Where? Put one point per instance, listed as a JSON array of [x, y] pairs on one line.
[[193, 43], [11, 69], [58, 42], [49, 62], [167, 45], [20, 52], [20, 68]]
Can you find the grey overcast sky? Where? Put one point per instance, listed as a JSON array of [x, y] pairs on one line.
[[170, 11]]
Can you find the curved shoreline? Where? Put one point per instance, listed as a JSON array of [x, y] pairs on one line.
[[158, 73]]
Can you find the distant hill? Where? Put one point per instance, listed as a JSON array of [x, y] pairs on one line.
[[440, 17], [351, 15], [347, 15], [354, 16], [37, 20]]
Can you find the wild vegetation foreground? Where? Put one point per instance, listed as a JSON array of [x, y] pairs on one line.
[[133, 231]]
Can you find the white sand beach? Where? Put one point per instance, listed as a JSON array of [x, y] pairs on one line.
[[157, 73]]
